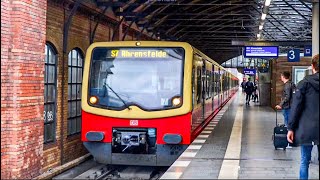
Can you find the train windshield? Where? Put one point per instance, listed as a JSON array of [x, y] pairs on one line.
[[149, 78]]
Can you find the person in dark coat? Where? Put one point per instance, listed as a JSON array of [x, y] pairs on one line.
[[303, 126], [286, 98], [248, 89]]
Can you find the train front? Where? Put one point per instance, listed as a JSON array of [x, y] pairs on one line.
[[136, 102]]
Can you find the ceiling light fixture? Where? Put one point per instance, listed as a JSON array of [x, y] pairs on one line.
[[260, 27], [263, 16], [267, 2]]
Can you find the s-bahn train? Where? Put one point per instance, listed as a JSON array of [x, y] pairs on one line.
[[144, 102]]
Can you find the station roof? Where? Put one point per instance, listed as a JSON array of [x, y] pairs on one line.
[[212, 25]]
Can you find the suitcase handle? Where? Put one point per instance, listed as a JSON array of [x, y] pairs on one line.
[[276, 118]]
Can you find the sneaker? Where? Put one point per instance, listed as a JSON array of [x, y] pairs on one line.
[[289, 147]]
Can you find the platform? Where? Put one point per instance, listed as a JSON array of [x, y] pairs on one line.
[[237, 144]]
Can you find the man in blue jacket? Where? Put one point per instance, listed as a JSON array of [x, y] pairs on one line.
[[303, 126]]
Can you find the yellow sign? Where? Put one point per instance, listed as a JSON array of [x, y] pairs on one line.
[[138, 54]]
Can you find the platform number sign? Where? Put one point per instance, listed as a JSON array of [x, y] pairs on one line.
[[307, 51], [294, 55]]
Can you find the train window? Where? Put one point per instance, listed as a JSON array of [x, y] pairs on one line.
[[75, 67], [145, 77], [50, 95]]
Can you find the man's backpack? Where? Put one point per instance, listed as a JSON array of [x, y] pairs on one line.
[[249, 87]]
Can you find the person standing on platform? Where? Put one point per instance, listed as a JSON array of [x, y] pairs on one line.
[[243, 85], [255, 93], [286, 99], [303, 126], [248, 89]]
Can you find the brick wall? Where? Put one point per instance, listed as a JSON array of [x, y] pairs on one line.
[[25, 28], [278, 66], [23, 25], [79, 37]]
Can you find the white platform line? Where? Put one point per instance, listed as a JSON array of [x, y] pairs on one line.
[[171, 175], [200, 141], [230, 168], [206, 132], [194, 147], [180, 163], [203, 136], [188, 154]]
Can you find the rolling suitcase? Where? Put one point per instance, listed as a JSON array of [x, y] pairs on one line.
[[280, 135]]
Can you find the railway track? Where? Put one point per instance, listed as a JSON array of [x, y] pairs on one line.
[[102, 172]]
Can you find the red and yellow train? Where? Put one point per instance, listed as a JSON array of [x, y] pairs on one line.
[[144, 102]]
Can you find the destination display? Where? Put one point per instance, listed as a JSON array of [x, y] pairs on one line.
[[261, 51], [137, 53]]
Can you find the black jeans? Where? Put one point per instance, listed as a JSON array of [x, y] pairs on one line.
[[248, 97]]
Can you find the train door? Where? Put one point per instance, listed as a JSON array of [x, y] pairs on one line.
[[203, 86], [212, 81], [193, 86], [228, 85], [219, 88]]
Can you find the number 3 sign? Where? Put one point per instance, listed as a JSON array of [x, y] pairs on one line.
[[293, 55]]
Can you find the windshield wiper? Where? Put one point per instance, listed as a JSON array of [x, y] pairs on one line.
[[118, 96]]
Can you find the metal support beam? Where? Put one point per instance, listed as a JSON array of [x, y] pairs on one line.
[[270, 43], [67, 25], [117, 28], [295, 10], [93, 33], [127, 30], [140, 33]]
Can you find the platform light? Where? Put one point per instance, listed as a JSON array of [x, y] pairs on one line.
[[260, 27], [267, 2], [263, 16], [258, 36], [138, 43]]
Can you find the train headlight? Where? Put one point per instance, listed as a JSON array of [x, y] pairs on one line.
[[176, 101], [93, 100]]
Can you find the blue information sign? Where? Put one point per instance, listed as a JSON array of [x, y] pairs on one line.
[[307, 51], [261, 51], [294, 55], [249, 71]]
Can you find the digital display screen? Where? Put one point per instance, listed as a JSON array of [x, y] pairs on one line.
[[249, 71], [137, 53], [261, 51]]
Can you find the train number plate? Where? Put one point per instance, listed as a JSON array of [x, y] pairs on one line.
[[133, 122]]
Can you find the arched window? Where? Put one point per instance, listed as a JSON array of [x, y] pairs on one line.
[[75, 66], [50, 95]]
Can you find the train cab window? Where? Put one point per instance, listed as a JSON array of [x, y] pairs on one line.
[[149, 78], [75, 67], [50, 95]]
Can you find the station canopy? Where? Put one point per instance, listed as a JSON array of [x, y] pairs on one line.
[[212, 25]]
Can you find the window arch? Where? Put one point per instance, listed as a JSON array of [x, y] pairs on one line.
[[50, 95], [75, 67]]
